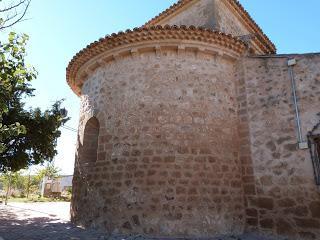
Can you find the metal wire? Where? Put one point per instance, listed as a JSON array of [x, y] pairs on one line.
[[70, 128]]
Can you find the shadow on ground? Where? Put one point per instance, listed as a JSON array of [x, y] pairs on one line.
[[16, 224], [42, 228]]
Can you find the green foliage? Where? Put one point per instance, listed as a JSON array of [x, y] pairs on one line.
[[27, 137], [14, 82], [22, 182], [50, 171], [19, 181]]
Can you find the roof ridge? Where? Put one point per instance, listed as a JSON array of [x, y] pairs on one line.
[[181, 3]]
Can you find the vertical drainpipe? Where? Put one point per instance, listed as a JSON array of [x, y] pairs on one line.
[[301, 142]]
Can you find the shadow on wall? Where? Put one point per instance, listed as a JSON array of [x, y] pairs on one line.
[[90, 141], [87, 157]]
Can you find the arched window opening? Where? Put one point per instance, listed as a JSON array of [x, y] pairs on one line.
[[90, 141]]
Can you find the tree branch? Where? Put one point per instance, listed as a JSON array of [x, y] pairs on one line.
[[12, 17], [13, 6]]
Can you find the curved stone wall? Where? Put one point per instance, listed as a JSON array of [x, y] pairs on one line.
[[168, 146]]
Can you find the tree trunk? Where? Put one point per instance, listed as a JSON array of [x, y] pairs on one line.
[[8, 190], [28, 186]]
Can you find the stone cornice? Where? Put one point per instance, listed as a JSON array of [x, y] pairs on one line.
[[133, 42], [269, 47]]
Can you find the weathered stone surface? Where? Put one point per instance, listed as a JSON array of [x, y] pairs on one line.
[[266, 180], [263, 202], [307, 235], [315, 209], [127, 225], [267, 223], [42, 225], [142, 150], [271, 146], [274, 145], [172, 175], [136, 220], [185, 138], [307, 223], [286, 203], [252, 221], [299, 211], [283, 227], [252, 212]]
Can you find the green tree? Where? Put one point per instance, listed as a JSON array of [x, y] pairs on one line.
[[50, 171], [14, 181], [27, 136]]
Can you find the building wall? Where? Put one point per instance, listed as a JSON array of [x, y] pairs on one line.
[[168, 147], [201, 14], [65, 182], [212, 14], [287, 200], [199, 145], [227, 21], [169, 160]]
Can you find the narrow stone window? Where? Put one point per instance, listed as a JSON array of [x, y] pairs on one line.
[[90, 141], [315, 154]]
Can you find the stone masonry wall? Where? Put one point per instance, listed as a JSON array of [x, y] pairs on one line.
[[227, 22], [287, 200], [168, 147], [212, 14], [201, 14]]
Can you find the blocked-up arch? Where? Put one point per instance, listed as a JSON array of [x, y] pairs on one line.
[[90, 141]]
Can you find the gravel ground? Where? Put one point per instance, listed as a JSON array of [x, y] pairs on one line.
[[42, 221]]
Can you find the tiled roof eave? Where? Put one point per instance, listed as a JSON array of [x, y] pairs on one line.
[[153, 33]]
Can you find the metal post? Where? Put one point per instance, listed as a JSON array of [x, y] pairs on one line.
[[301, 142], [295, 101]]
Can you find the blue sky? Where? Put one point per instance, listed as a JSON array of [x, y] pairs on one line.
[[59, 29]]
